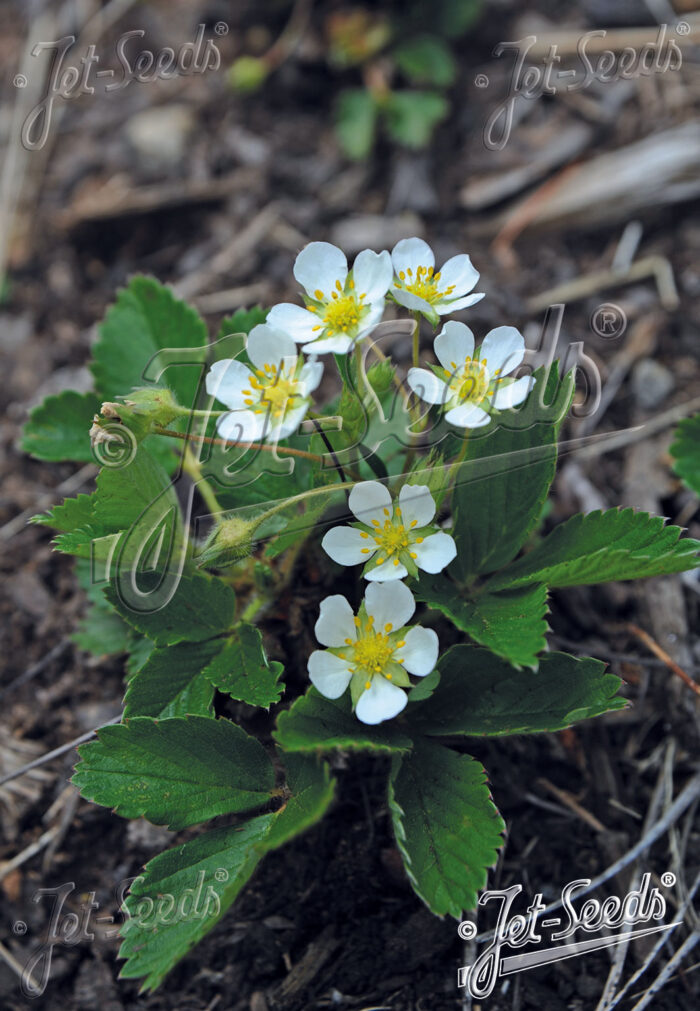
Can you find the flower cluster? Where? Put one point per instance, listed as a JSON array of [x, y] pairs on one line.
[[394, 536]]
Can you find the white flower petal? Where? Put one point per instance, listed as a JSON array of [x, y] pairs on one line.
[[420, 653], [299, 323], [268, 346], [467, 416], [226, 380], [411, 253], [446, 305], [417, 505], [310, 375], [460, 272], [410, 301], [503, 349], [372, 273], [336, 622], [381, 701], [389, 603], [241, 426], [512, 394], [435, 552], [368, 500], [427, 386], [293, 417], [329, 673], [318, 266], [338, 345], [347, 546], [373, 317], [453, 345], [387, 572]]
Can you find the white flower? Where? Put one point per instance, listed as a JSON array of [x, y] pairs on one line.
[[418, 287], [270, 401], [394, 537], [373, 653], [340, 307], [468, 385]]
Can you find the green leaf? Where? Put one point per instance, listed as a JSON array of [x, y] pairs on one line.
[[315, 723], [183, 893], [426, 59], [411, 116], [200, 608], [686, 452], [242, 322], [59, 428], [503, 484], [312, 789], [102, 631], [446, 825], [171, 682], [482, 695], [241, 669], [600, 546], [175, 772], [146, 318], [511, 623], [355, 122], [205, 875]]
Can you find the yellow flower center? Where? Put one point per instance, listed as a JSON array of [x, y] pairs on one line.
[[424, 283], [393, 537], [273, 389], [341, 312], [471, 383], [373, 652]]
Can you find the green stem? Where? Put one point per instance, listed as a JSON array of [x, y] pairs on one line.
[[192, 467], [266, 447], [416, 339]]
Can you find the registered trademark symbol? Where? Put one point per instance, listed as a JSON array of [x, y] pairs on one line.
[[609, 320], [682, 28], [19, 927], [467, 930], [20, 81], [668, 879], [221, 28], [481, 81], [221, 874]]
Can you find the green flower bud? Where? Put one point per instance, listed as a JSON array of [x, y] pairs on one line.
[[229, 542]]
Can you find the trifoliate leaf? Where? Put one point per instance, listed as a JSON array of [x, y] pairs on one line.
[[59, 428], [602, 546], [146, 318], [315, 723], [185, 891], [175, 772], [200, 608], [171, 682], [481, 695], [241, 669], [511, 623], [447, 827]]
